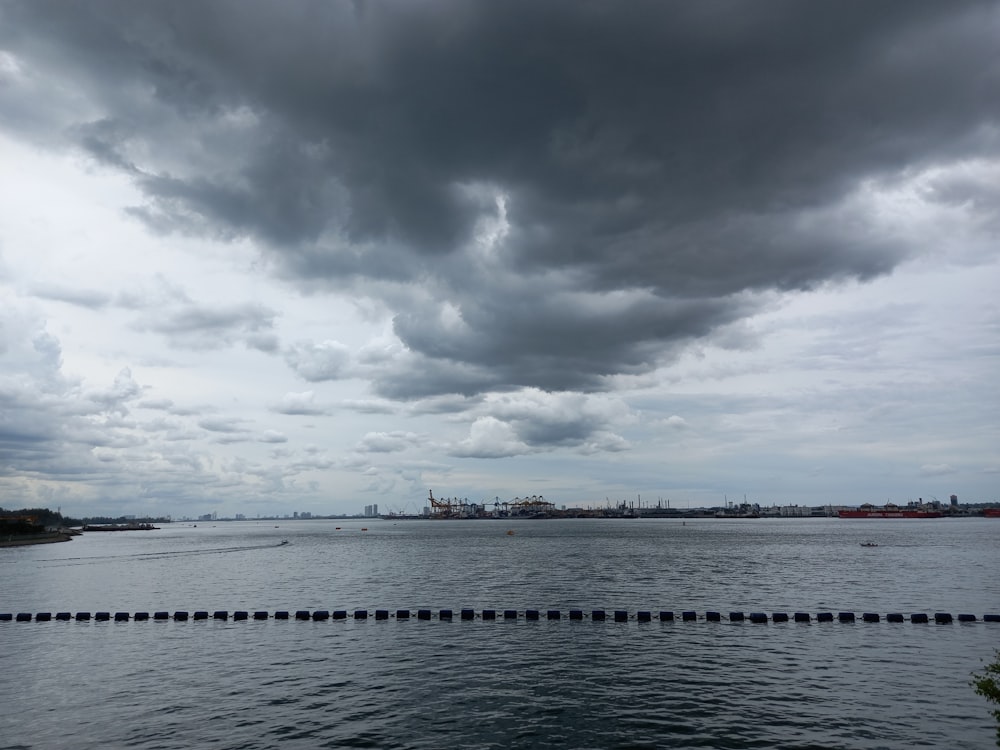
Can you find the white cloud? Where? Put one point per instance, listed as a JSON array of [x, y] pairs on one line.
[[318, 362], [387, 442], [303, 403], [489, 438]]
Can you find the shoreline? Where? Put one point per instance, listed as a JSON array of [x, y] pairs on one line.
[[22, 540]]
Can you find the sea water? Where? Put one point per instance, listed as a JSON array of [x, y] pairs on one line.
[[507, 683]]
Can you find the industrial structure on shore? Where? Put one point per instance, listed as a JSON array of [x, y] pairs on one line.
[[536, 506]]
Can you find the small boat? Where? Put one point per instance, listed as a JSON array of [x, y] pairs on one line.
[[869, 544]]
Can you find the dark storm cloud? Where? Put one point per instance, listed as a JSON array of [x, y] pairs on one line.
[[545, 338], [586, 186]]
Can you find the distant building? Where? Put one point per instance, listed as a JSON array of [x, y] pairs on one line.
[[371, 511], [954, 501]]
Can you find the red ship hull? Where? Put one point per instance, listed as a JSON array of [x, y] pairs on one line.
[[889, 514]]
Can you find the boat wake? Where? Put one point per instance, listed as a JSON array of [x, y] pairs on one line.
[[164, 554]]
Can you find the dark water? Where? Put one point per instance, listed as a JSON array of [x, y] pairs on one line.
[[503, 684]]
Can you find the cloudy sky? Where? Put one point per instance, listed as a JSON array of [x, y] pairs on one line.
[[261, 257]]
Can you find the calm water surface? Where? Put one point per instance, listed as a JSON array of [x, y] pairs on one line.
[[403, 684]]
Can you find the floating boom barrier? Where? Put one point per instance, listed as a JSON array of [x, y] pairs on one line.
[[446, 615]]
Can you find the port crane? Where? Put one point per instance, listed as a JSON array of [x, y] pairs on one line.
[[536, 504], [449, 507], [444, 508]]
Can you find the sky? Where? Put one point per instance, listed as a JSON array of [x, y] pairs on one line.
[[262, 257]]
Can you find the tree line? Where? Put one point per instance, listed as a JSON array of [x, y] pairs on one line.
[[35, 520]]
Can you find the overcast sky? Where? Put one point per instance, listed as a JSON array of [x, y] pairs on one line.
[[266, 257]]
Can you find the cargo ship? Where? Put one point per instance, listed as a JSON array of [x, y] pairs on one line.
[[890, 511]]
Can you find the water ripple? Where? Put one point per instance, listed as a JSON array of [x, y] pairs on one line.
[[419, 684]]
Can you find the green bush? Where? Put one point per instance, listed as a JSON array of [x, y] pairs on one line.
[[987, 685]]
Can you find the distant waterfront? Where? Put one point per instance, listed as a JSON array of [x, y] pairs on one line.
[[462, 509]]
